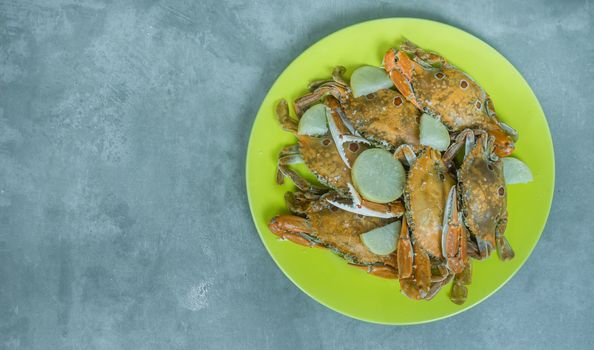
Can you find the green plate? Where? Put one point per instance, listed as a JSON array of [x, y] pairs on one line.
[[327, 278]]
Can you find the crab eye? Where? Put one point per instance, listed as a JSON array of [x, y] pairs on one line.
[[490, 167], [501, 191], [463, 84], [478, 105], [353, 147], [326, 142], [370, 96], [397, 101], [439, 75]]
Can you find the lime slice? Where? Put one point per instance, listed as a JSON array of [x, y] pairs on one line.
[[368, 79], [382, 240], [433, 133], [378, 176], [515, 171], [313, 121]]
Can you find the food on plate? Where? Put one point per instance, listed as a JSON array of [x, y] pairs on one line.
[[515, 171], [385, 118], [433, 133], [378, 176], [438, 88], [382, 240], [394, 198], [316, 222], [314, 121], [367, 79]]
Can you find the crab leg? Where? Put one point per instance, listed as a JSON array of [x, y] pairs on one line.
[[282, 114], [436, 287], [504, 249], [289, 150], [422, 270], [459, 291], [297, 202], [453, 239], [337, 90], [299, 181], [288, 155], [406, 154], [293, 228], [384, 271], [409, 288], [286, 160], [405, 252], [465, 137]]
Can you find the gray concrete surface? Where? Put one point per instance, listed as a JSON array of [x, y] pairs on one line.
[[123, 217]]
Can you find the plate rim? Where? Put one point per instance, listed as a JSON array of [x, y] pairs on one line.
[[548, 135]]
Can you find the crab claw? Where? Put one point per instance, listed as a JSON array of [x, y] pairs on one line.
[[504, 142], [405, 254], [453, 240], [294, 228], [504, 249], [366, 208], [337, 90], [340, 132], [400, 69]]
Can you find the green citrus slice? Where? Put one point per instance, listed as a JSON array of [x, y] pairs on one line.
[[382, 240], [515, 171], [367, 79], [433, 133], [313, 121], [378, 176]]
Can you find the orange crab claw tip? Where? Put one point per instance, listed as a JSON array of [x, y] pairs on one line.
[[389, 60], [504, 149]]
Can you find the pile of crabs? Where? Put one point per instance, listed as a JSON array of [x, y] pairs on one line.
[[453, 205]]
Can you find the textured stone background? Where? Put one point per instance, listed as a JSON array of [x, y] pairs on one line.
[[123, 217]]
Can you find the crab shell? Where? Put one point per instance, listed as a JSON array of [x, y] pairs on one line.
[[385, 117], [446, 92], [425, 194], [322, 158], [319, 153], [483, 196], [337, 230]]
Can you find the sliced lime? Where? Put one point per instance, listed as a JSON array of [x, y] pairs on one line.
[[382, 240], [515, 171], [433, 133], [378, 176], [368, 79], [313, 121]]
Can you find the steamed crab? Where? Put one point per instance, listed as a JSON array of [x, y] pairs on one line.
[[315, 222], [320, 155], [440, 89], [482, 194], [384, 117], [329, 157], [429, 248]]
